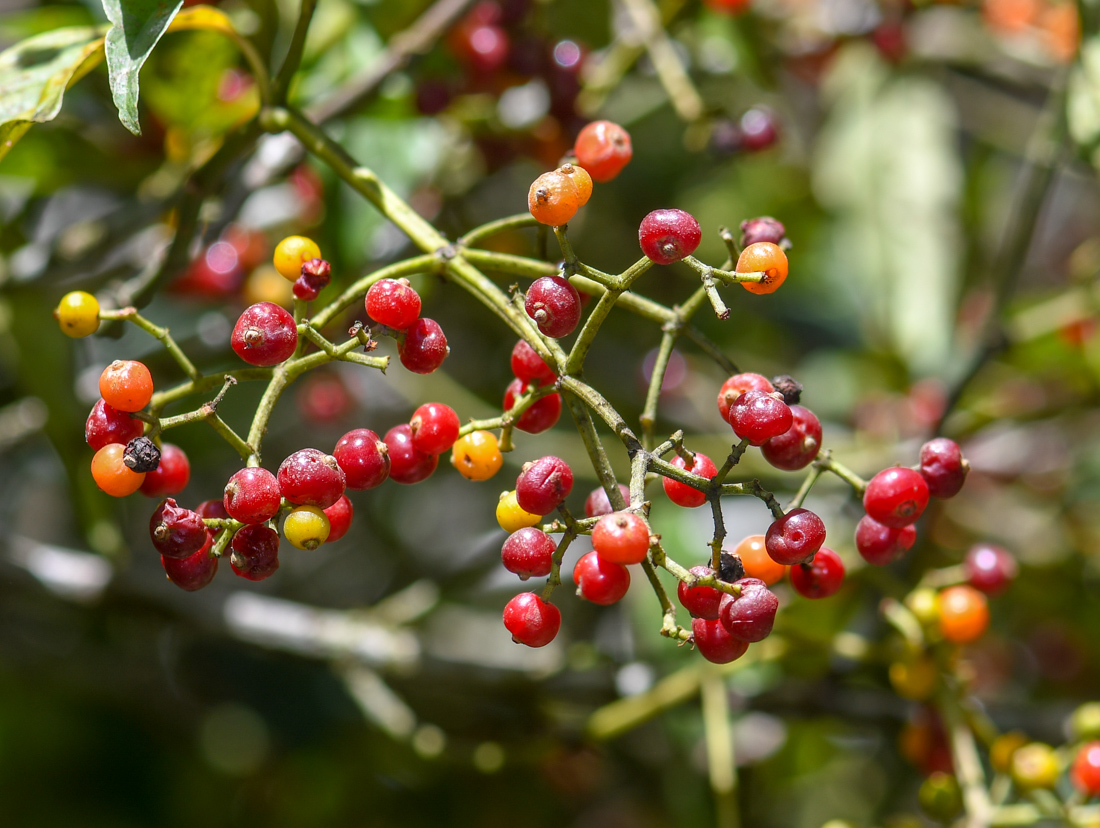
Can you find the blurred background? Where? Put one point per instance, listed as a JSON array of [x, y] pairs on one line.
[[934, 166]]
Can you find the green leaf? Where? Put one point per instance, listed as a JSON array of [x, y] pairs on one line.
[[35, 73], [136, 26]]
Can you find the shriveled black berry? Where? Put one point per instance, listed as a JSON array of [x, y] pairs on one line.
[[141, 455], [789, 387], [730, 568]]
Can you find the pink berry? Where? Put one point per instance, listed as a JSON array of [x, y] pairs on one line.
[[757, 416], [434, 427], [528, 553], [821, 577], [600, 581], [364, 459], [763, 229], [407, 465], [700, 601], [666, 236], [896, 497], [682, 494], [989, 568], [750, 615], [554, 304], [543, 484], [310, 477], [424, 347], [265, 334], [795, 537], [797, 447], [252, 496], [714, 642], [879, 544], [393, 302], [531, 620]]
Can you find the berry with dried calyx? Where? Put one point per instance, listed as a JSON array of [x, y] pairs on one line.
[[255, 553], [364, 458], [528, 552], [554, 304], [666, 236], [176, 532], [543, 484], [531, 620], [309, 477], [265, 335]]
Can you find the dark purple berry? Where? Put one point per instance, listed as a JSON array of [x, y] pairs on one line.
[[750, 615], [176, 532], [255, 552]]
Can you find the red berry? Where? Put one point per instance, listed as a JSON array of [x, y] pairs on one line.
[[1085, 772], [597, 503], [554, 304], [759, 129], [529, 367], [170, 476], [600, 581], [364, 458], [531, 620], [434, 428], [252, 496], [542, 414], [666, 236], [212, 509], [879, 544], [714, 642], [108, 425], [797, 447], [424, 347], [407, 465], [682, 494], [255, 552], [603, 149], [943, 468], [621, 537], [393, 302], [265, 334], [989, 568], [821, 577], [309, 477], [795, 537], [339, 516], [896, 497], [176, 532], [757, 416], [543, 484], [528, 553], [750, 615], [700, 601], [193, 572], [323, 398], [737, 385], [763, 229]]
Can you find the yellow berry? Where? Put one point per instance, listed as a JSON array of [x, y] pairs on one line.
[[78, 314], [925, 605], [915, 678], [477, 455], [1004, 747], [265, 284], [510, 516], [306, 527], [1035, 766], [293, 252]]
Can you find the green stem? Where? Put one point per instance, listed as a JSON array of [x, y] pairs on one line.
[[293, 60], [721, 765], [648, 420], [803, 490], [161, 334], [520, 221], [827, 463]]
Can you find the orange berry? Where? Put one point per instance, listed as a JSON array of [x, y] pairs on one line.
[[964, 614], [581, 178], [603, 148], [1060, 28], [553, 198], [477, 455], [126, 385], [1010, 17], [621, 537], [112, 475], [767, 258], [757, 562]]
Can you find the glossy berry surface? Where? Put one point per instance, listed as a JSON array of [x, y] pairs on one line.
[[943, 468], [306, 527], [682, 494], [554, 304], [766, 258], [265, 334], [434, 428], [750, 615], [531, 620], [424, 347], [364, 459], [600, 581], [756, 561], [510, 516], [963, 614], [798, 446], [621, 537], [312, 478], [759, 129], [106, 425], [339, 516], [597, 503], [820, 578], [528, 552], [407, 465], [666, 236], [879, 544], [543, 484], [393, 302], [714, 642], [111, 474], [989, 568], [737, 385], [529, 367], [477, 455], [1035, 766], [171, 475], [896, 497], [603, 148], [700, 601], [193, 572], [762, 229], [126, 385], [1085, 771], [252, 496], [553, 198], [293, 252], [757, 416], [795, 537], [580, 178], [542, 414], [78, 314], [176, 532], [255, 553]]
